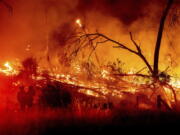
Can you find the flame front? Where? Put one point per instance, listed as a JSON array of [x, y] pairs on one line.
[[9, 70]]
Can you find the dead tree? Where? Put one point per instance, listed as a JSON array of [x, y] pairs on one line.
[[159, 38], [94, 39]]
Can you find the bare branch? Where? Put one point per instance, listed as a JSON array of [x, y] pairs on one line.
[[113, 41], [140, 75], [96, 47], [141, 70], [119, 45], [134, 42], [140, 54]]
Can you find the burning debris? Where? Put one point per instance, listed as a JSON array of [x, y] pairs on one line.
[[8, 69], [59, 89]]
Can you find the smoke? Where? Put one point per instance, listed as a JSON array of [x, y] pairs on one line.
[[31, 26], [36, 24], [127, 11]]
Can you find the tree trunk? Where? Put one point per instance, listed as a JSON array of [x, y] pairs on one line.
[[159, 37]]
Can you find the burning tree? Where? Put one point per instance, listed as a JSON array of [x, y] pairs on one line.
[[85, 39], [92, 38]]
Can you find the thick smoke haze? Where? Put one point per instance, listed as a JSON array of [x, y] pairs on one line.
[[127, 11], [36, 23]]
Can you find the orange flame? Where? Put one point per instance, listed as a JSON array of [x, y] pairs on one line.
[[78, 22], [9, 70]]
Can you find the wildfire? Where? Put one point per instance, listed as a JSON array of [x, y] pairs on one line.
[[78, 22], [175, 82], [105, 74], [90, 93], [101, 86], [9, 70]]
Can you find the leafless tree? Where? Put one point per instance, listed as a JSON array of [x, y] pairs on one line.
[[159, 37], [94, 39]]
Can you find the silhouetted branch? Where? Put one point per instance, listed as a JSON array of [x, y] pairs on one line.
[[141, 70], [140, 75], [105, 38], [140, 54]]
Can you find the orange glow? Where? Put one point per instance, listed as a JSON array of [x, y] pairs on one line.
[[175, 82], [9, 70], [78, 22]]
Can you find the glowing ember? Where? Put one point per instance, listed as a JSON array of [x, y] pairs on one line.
[[89, 92], [105, 74], [9, 70], [78, 21]]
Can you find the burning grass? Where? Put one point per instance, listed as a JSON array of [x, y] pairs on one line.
[[67, 101]]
